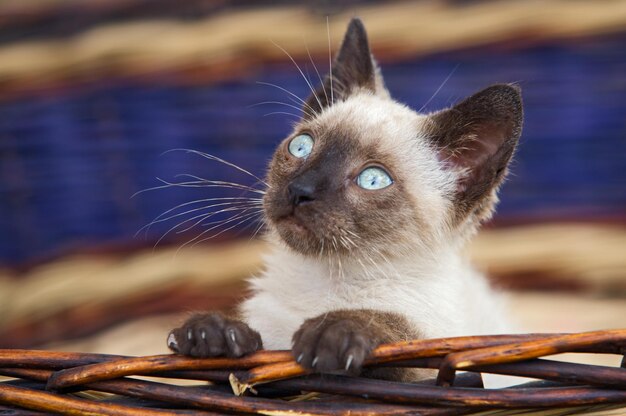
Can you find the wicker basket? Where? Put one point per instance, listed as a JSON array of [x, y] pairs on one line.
[[270, 382]]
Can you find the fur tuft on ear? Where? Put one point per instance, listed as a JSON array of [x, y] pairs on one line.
[[352, 68], [477, 137]]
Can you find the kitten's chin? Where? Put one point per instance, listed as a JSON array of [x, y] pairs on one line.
[[296, 234], [291, 224]]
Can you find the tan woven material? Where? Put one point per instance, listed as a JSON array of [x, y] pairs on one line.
[[226, 44], [80, 279], [584, 257], [591, 256]]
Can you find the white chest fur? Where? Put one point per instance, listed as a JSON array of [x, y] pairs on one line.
[[445, 298]]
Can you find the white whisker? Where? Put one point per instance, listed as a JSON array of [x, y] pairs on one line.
[[242, 218], [330, 63], [162, 218], [206, 216], [282, 113], [301, 73], [367, 272], [180, 224], [282, 103], [217, 159], [304, 103], [439, 89], [316, 71], [215, 182], [377, 266], [261, 224], [204, 184]]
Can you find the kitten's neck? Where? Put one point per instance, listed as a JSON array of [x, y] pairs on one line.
[[437, 292], [360, 268]]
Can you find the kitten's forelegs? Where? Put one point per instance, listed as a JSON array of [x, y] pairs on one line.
[[214, 334], [341, 341]]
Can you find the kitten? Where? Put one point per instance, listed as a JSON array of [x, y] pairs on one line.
[[368, 207]]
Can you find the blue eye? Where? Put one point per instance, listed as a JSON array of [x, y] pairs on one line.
[[373, 178], [301, 145]]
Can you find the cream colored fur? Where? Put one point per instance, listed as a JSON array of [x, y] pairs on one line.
[[446, 299], [422, 275]]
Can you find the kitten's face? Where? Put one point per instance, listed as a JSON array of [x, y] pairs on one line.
[[356, 186], [365, 174]]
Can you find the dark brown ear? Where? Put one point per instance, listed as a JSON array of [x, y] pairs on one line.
[[478, 137], [353, 67]]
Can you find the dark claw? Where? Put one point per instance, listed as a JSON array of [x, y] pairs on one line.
[[213, 335], [171, 342], [332, 345]]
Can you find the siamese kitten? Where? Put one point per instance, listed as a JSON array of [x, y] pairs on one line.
[[368, 207]]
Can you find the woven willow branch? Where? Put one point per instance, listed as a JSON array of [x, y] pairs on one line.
[[59, 382]]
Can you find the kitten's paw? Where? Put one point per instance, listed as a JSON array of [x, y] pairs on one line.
[[332, 345], [213, 335]]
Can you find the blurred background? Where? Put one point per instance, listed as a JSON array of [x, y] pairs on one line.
[[96, 95]]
